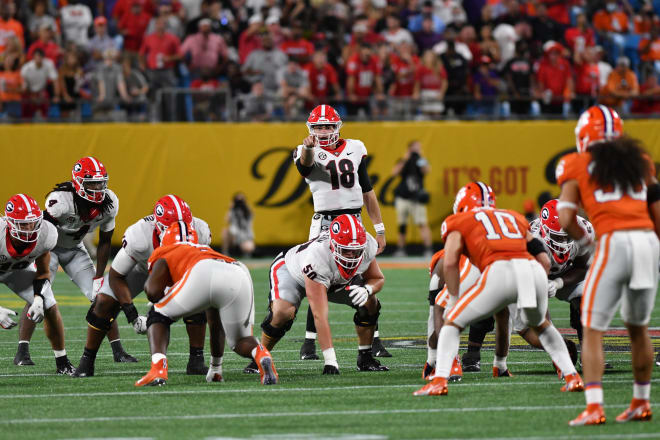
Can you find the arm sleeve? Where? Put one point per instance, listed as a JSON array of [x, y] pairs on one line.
[[302, 169], [363, 176]]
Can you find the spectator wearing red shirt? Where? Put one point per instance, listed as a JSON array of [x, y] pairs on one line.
[[554, 80], [649, 50], [206, 50], [581, 36], [587, 75], [649, 92], [159, 53], [404, 65], [322, 76], [206, 106], [123, 7], [645, 20], [132, 26], [363, 71], [296, 47], [362, 33], [250, 38], [45, 42], [430, 84], [558, 10]]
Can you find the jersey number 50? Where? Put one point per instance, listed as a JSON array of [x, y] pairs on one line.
[[504, 221]]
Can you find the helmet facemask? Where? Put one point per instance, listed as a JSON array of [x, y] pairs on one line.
[[92, 188], [348, 258], [559, 243], [327, 138], [25, 230]]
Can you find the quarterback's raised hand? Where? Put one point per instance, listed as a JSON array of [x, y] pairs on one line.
[[330, 369], [309, 142], [5, 321]]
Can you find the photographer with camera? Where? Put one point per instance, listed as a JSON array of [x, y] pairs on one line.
[[410, 197]]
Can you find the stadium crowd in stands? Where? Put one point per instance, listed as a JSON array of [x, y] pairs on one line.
[[374, 58]]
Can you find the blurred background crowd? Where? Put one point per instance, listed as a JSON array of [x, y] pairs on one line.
[[257, 60]]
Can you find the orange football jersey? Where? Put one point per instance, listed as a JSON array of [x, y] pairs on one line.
[[490, 235], [181, 257], [609, 209]]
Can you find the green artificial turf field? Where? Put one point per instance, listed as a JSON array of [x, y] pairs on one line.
[[37, 404]]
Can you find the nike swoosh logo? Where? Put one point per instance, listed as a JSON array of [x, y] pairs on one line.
[[349, 153]]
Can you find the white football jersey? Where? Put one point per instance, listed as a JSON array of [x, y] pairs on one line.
[[558, 269], [140, 239], [76, 21], [71, 228], [46, 242], [334, 181], [315, 256]]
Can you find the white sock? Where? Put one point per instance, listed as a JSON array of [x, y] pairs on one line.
[[23, 342], [364, 347], [376, 334], [500, 363], [156, 357], [642, 390], [593, 393], [431, 356], [216, 361], [448, 341], [554, 345], [310, 335], [59, 353]]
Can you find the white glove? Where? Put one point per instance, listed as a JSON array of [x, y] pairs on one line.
[[140, 325], [554, 286], [36, 310], [5, 321], [214, 374], [451, 302], [96, 286], [359, 294]]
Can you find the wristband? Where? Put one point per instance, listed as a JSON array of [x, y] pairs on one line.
[[565, 204], [38, 286], [330, 358], [130, 311], [380, 228], [308, 148]]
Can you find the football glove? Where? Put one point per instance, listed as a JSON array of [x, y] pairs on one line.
[[5, 321], [140, 325], [36, 310], [330, 369], [359, 294], [96, 286], [214, 374], [554, 286]]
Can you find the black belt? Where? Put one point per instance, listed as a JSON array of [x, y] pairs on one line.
[[331, 215]]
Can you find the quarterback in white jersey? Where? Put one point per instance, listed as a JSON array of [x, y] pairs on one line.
[[327, 269], [25, 245], [127, 276], [336, 171]]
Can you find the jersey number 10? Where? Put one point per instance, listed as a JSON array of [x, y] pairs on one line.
[[504, 221]]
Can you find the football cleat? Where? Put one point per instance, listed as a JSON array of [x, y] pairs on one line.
[[308, 350], [85, 367], [64, 366], [196, 366], [592, 415], [366, 362], [379, 350], [471, 362], [573, 383], [157, 376], [456, 374], [267, 371], [428, 371], [251, 368], [22, 357], [499, 373], [123, 357], [437, 387], [639, 410]]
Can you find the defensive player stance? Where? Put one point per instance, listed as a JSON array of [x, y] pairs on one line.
[[126, 280], [499, 244], [336, 171], [76, 208], [325, 269], [24, 240], [187, 278], [614, 180]]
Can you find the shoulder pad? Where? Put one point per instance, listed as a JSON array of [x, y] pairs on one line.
[[297, 152], [50, 231], [535, 226], [358, 145], [587, 226], [59, 204], [136, 239], [203, 231]]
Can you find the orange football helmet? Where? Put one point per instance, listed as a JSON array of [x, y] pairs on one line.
[[474, 195], [179, 232], [597, 124]]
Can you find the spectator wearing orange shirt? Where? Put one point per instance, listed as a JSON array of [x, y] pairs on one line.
[[645, 20], [612, 25], [649, 50], [621, 86], [9, 27], [554, 80], [11, 86]]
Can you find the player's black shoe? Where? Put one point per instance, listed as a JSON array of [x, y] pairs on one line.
[[308, 350], [379, 350], [64, 366], [196, 366], [22, 357], [366, 362], [85, 368], [251, 368], [122, 356], [572, 350], [471, 362]]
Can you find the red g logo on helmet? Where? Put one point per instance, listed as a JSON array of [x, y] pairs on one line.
[[90, 179], [9, 207], [170, 209], [348, 240], [553, 235], [23, 217]]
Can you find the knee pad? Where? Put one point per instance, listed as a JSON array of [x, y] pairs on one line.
[[95, 321], [196, 319], [154, 317], [274, 332], [485, 325], [575, 314], [403, 228], [362, 318]]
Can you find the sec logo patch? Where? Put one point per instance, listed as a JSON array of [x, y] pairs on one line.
[[323, 156]]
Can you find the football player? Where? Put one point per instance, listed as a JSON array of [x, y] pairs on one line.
[[126, 279], [76, 208], [613, 178], [495, 239], [186, 278], [336, 171], [325, 269], [25, 240]]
